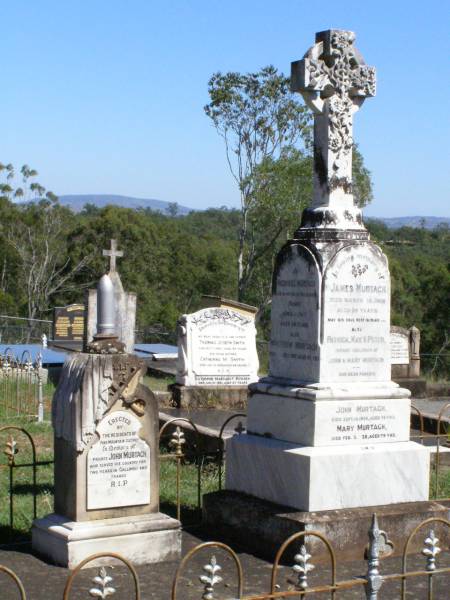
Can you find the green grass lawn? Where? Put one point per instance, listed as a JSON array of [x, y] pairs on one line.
[[43, 437]]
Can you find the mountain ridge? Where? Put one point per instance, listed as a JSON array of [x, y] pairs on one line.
[[76, 202]]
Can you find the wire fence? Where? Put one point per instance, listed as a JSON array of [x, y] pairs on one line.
[[20, 330]]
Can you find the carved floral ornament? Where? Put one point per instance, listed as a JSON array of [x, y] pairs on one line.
[[221, 315]]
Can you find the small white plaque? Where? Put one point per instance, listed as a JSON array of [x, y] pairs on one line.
[[118, 465], [399, 349]]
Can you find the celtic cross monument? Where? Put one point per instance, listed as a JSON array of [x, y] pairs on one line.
[[334, 82], [327, 422]]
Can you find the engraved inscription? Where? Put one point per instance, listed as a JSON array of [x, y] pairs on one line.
[[223, 348], [356, 316], [294, 347], [399, 349], [118, 465], [350, 422]]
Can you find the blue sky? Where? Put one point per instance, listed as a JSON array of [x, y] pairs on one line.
[[107, 96]]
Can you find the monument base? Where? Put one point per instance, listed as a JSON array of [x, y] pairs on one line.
[[416, 385], [261, 527], [327, 478], [223, 397], [141, 539]]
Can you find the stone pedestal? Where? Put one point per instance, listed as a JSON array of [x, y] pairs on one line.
[[106, 466], [328, 429], [142, 540], [327, 478]]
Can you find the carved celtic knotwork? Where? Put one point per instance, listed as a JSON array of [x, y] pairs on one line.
[[334, 81]]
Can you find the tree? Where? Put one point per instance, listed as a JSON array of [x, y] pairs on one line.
[[172, 209], [37, 231], [257, 116]]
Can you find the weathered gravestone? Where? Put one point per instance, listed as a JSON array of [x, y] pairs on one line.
[[68, 325], [125, 303], [106, 457], [217, 357], [405, 360], [327, 430]]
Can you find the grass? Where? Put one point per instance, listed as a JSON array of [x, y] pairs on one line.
[[158, 384], [43, 436]]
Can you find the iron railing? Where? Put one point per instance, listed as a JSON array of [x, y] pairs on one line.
[[180, 441], [211, 582], [21, 386]]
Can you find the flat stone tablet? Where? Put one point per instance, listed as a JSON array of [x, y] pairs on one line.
[[118, 465]]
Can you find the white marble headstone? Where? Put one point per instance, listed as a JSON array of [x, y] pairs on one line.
[[216, 347]]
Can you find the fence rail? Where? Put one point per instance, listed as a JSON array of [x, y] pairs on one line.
[[21, 382], [211, 582]]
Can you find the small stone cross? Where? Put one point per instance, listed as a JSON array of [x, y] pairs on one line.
[[334, 81], [113, 253]]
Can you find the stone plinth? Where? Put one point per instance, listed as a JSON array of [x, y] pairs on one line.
[[261, 527], [327, 478], [329, 417], [144, 539], [106, 466]]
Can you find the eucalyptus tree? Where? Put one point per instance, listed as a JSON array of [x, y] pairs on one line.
[[258, 117]]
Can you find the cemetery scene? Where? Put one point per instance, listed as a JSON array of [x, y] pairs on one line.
[[241, 391]]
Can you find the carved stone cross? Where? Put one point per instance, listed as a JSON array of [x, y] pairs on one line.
[[334, 81], [113, 253]]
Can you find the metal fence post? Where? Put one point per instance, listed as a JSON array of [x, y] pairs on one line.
[[374, 579], [40, 394]]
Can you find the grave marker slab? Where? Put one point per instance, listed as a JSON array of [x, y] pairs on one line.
[[68, 323], [106, 457], [216, 347]]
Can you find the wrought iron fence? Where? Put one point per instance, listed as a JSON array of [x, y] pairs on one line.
[[185, 450], [183, 446], [21, 381], [440, 442], [212, 581], [12, 466]]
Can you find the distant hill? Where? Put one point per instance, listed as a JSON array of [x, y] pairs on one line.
[[77, 201], [397, 222]]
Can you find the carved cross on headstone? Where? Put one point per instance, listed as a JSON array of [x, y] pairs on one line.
[[334, 81], [113, 253]]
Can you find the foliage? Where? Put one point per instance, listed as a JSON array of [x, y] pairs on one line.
[[36, 232], [258, 118]]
